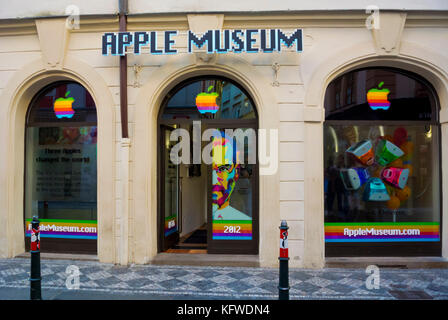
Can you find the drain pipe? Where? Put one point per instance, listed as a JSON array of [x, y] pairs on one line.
[[123, 214], [123, 10]]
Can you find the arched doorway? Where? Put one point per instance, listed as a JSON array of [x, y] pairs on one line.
[[382, 165], [61, 168], [208, 171]]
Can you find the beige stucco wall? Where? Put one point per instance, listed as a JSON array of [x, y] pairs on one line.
[[35, 54], [30, 62], [28, 8]]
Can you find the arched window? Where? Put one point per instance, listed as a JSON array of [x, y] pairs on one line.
[[217, 202], [352, 97], [208, 98], [382, 165], [61, 168]]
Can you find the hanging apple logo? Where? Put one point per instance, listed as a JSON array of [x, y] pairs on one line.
[[206, 101], [63, 107], [377, 98]]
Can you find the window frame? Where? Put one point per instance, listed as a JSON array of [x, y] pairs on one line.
[[394, 248], [236, 246], [63, 122], [189, 81], [58, 245]]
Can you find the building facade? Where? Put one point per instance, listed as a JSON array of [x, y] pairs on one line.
[[354, 108]]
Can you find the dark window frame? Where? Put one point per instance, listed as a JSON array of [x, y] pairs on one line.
[[392, 248], [192, 80], [222, 246], [434, 100], [82, 246], [61, 122]]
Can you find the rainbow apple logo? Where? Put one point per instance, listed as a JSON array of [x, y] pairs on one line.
[[377, 98], [206, 101], [63, 107]]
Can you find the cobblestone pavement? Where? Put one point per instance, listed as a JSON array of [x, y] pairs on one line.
[[187, 282]]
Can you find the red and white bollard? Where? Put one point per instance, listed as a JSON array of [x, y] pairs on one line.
[[283, 287], [35, 235], [35, 278], [284, 241]]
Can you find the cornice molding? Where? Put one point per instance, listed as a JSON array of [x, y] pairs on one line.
[[344, 19]]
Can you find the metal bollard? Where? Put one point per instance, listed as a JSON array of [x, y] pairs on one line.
[[35, 278], [283, 287]]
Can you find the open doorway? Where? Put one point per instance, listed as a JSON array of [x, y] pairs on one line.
[[185, 202], [207, 206]]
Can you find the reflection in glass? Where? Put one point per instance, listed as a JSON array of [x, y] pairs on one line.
[[231, 102], [61, 173], [346, 97], [44, 109], [409, 174], [61, 164], [171, 189]]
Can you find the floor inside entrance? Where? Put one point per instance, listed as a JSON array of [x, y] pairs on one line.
[[193, 242]]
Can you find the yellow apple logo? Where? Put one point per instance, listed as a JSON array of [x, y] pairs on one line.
[[206, 101], [63, 107]]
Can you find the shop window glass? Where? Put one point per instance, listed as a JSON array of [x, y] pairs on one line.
[[219, 195], [195, 99], [61, 162], [381, 158], [410, 99]]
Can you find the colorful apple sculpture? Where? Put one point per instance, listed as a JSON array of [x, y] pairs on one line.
[[206, 101], [63, 107], [400, 136], [377, 98], [403, 194], [393, 203]]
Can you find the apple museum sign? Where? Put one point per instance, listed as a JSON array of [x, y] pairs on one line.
[[215, 41]]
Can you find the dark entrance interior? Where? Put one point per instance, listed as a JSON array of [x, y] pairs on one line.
[[183, 190]]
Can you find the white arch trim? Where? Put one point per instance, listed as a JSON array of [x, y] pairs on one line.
[[16, 96], [412, 57], [145, 143]]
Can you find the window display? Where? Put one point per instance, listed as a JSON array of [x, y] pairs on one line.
[[61, 163], [208, 170], [232, 219], [382, 177], [397, 183]]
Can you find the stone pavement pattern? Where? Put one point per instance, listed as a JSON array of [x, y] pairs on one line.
[[188, 282]]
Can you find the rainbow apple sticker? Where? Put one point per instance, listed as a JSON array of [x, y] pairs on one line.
[[377, 98], [206, 101], [63, 107]]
